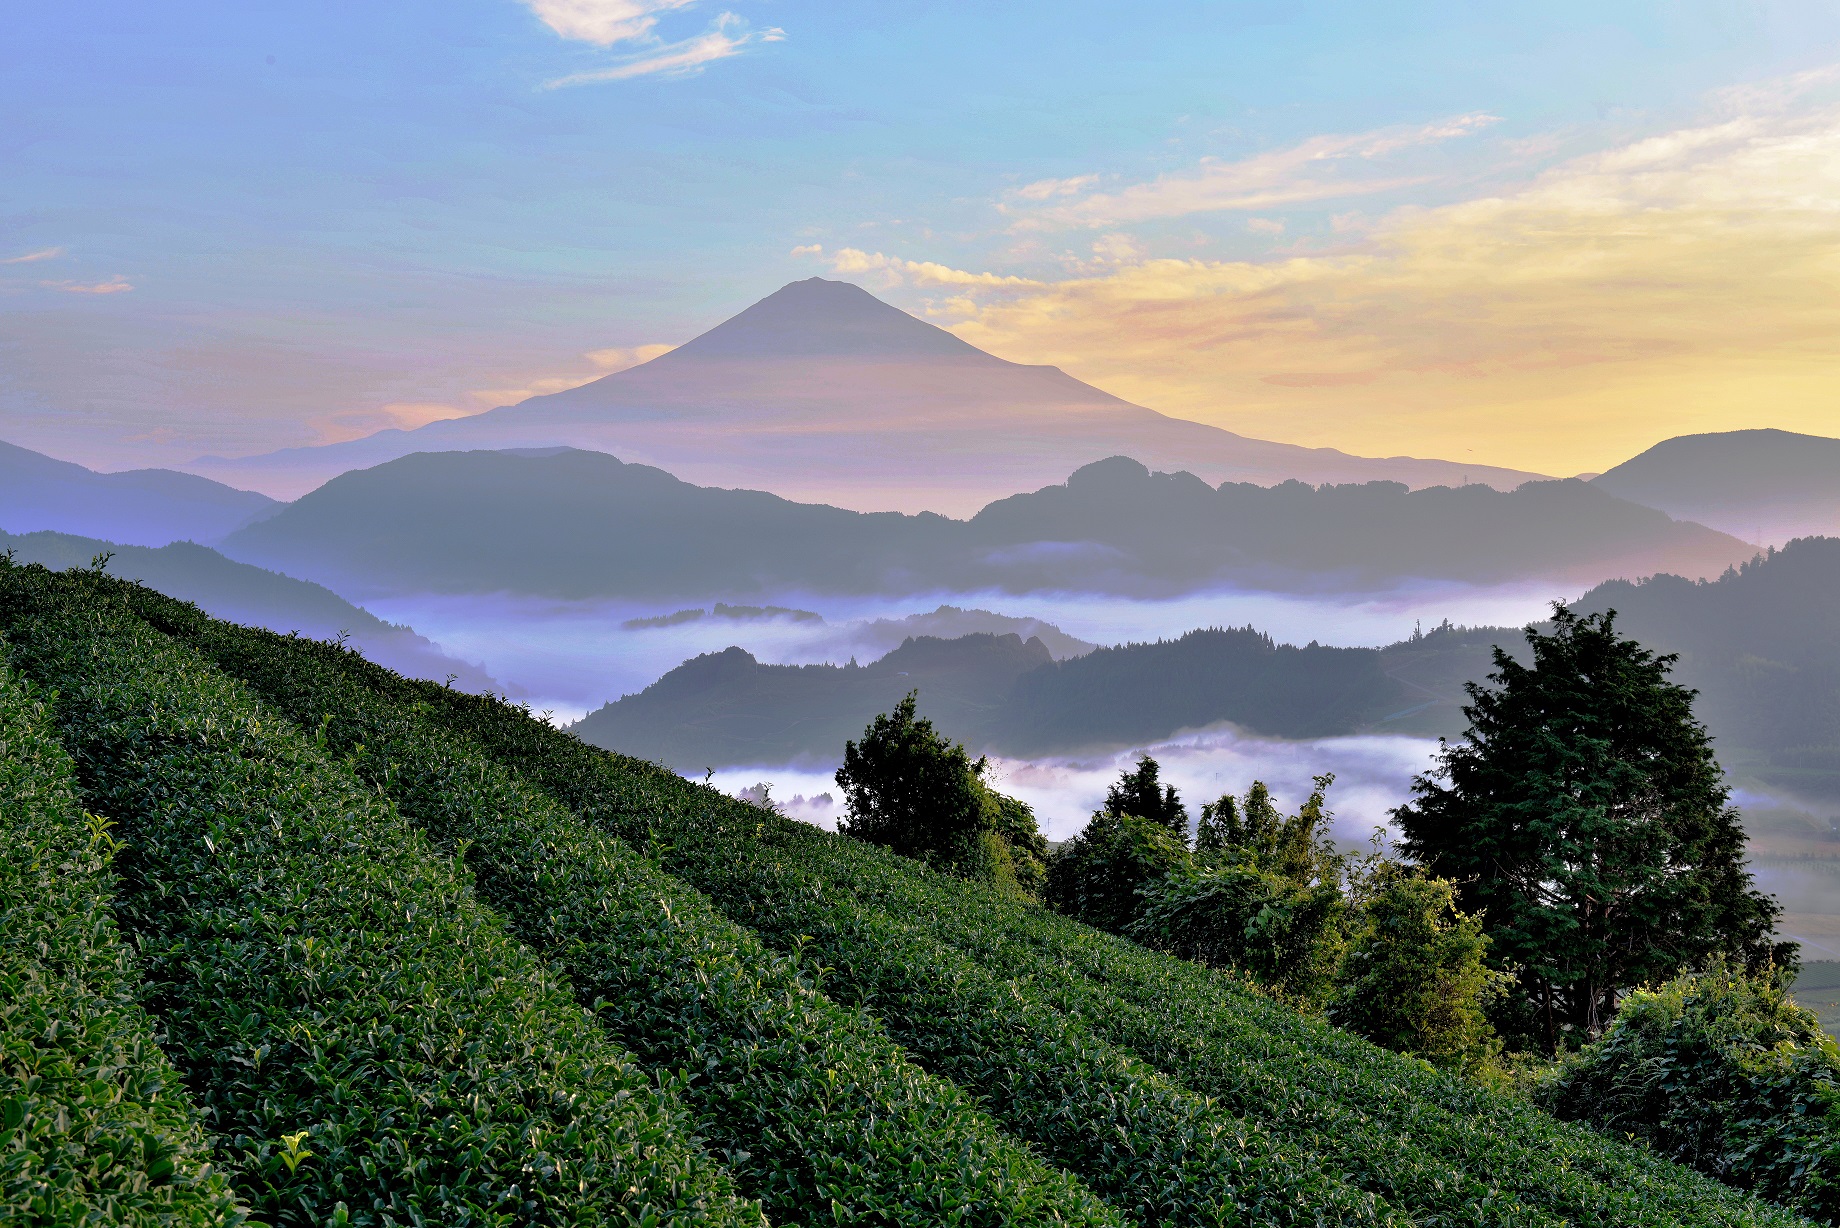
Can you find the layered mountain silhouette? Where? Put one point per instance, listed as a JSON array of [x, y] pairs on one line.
[[1765, 486], [142, 507], [822, 392], [576, 524], [1761, 645], [252, 596]]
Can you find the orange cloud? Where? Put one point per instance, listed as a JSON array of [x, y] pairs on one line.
[[1686, 282]]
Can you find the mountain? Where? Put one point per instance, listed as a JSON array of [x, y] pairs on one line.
[[252, 596], [141, 507], [576, 524], [998, 694], [821, 392], [1761, 646], [1763, 486]]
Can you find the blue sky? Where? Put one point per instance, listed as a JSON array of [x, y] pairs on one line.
[[234, 227]]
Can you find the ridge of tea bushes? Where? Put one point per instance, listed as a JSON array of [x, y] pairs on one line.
[[815, 1110], [366, 1042], [1157, 1150], [1372, 1113], [95, 1125]]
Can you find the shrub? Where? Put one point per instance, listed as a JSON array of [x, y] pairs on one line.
[[366, 1042], [1439, 1148], [1288, 936], [94, 1123], [1097, 876], [1414, 979], [1723, 1071], [814, 1110]]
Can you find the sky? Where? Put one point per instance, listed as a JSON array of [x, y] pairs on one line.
[[1538, 236]]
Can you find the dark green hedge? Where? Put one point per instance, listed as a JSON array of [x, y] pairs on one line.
[[815, 1110], [1436, 1146], [318, 968], [94, 1123]]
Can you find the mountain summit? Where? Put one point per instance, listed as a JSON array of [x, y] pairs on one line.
[[823, 393], [816, 318]]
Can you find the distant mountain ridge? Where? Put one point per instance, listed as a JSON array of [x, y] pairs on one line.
[[1761, 645], [1764, 486], [823, 393], [140, 507], [576, 524]]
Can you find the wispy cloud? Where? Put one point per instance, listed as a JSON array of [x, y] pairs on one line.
[[43, 253], [893, 270], [609, 23], [114, 285], [1321, 168], [1671, 284], [604, 22]]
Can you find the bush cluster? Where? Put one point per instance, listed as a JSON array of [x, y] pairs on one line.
[[1434, 1146], [810, 1105], [1723, 1071], [366, 1042], [1174, 1090]]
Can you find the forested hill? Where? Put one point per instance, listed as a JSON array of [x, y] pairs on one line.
[[581, 524], [1761, 644]]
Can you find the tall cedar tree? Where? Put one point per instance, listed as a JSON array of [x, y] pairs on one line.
[[1143, 794], [1585, 817], [910, 789]]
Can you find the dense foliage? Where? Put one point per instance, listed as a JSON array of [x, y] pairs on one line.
[[1437, 1147], [1722, 1071], [778, 958], [367, 1043], [93, 1119], [686, 989], [1101, 874], [1415, 978], [1585, 816], [913, 791]]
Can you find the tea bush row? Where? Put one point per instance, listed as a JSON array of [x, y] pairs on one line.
[[366, 1042], [94, 1122], [1441, 1147], [1163, 1154], [813, 1108]]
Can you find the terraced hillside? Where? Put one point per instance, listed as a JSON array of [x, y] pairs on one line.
[[364, 950]]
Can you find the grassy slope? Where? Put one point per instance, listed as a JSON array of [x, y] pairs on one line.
[[1439, 1149], [319, 968]]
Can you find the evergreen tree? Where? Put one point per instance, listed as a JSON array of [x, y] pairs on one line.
[[1142, 793], [910, 789], [1584, 816]]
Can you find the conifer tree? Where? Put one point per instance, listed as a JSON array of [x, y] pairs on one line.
[[1142, 793], [1584, 816]]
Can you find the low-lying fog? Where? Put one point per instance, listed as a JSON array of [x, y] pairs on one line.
[[571, 657], [1372, 775]]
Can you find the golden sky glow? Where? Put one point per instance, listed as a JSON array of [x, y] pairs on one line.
[[1687, 282]]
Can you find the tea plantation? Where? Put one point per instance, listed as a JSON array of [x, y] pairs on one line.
[[286, 938]]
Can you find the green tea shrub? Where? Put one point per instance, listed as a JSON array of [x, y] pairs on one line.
[[812, 1107], [1723, 1071], [1099, 875], [366, 1042], [1439, 1148], [95, 1126], [1288, 936]]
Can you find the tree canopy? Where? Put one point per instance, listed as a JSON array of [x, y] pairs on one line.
[[1142, 793], [1584, 815]]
